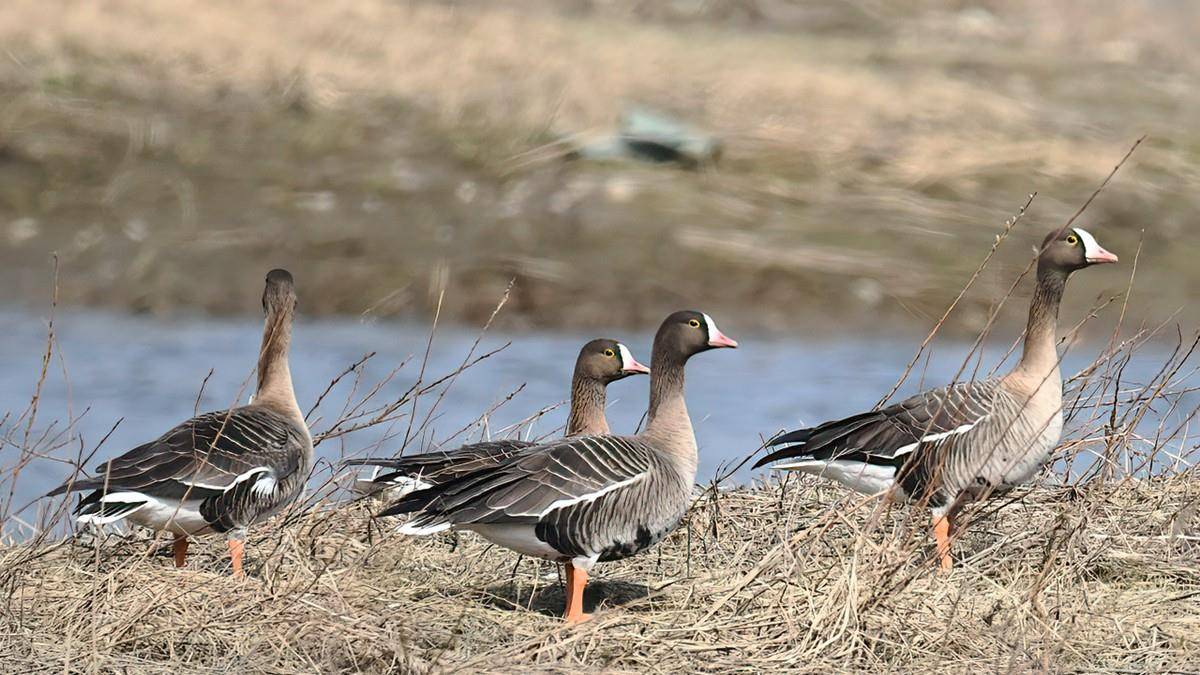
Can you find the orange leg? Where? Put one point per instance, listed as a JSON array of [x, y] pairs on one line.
[[236, 548], [576, 580], [941, 532], [179, 548]]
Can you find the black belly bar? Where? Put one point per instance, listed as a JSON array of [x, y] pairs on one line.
[[642, 540]]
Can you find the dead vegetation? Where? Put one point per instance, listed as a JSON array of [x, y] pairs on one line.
[[1102, 579]]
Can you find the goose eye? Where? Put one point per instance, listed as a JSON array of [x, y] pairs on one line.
[[1072, 239], [609, 353], [694, 323]]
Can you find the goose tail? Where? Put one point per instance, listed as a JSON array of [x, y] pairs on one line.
[[796, 442], [78, 485], [410, 503]]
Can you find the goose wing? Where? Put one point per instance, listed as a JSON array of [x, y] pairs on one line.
[[532, 484], [890, 435], [202, 457]]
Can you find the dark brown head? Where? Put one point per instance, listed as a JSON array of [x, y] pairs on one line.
[[1071, 249], [280, 292], [606, 361], [686, 333]]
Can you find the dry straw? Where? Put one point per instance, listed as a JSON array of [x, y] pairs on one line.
[[1094, 569]]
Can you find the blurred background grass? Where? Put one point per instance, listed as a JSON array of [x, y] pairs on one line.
[[386, 151]]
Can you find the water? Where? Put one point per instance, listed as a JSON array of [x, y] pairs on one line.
[[147, 373]]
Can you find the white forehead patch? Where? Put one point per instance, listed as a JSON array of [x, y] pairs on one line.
[[712, 327], [1091, 248], [627, 359]]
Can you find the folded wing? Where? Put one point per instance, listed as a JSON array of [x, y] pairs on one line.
[[203, 457], [890, 435], [530, 485]]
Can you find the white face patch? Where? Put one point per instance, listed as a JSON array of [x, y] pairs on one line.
[[712, 328], [627, 359], [1091, 248]]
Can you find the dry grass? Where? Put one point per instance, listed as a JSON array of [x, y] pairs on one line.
[[392, 149], [758, 579]]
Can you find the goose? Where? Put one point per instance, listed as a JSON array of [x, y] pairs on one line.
[[600, 362], [963, 442], [219, 472], [585, 499]]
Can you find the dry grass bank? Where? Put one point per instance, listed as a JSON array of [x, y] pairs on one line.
[[1096, 568], [1106, 579], [391, 150]]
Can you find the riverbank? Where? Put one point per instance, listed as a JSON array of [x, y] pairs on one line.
[[1100, 578], [400, 155], [1095, 567]]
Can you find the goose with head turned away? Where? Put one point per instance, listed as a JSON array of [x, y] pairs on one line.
[[600, 362], [966, 441], [586, 499], [219, 472]]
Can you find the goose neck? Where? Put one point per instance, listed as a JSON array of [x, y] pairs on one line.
[[667, 420], [587, 407], [1039, 357], [274, 388]]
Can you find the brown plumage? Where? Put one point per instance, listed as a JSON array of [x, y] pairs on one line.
[[589, 498], [221, 471], [965, 441]]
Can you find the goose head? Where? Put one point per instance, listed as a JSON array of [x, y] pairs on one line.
[[688, 332], [1071, 249], [279, 295], [607, 361]]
